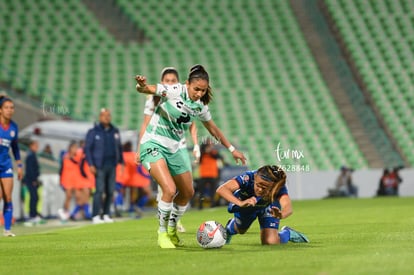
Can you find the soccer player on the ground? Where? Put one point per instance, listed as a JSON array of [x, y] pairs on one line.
[[169, 76], [8, 138], [262, 195], [160, 146]]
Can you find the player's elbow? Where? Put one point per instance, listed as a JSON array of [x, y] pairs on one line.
[[219, 190]]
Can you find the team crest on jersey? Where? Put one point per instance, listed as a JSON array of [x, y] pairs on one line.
[[246, 178], [116, 135], [164, 93], [12, 133]]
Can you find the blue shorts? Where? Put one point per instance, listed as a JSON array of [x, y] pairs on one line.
[[245, 218], [6, 172]]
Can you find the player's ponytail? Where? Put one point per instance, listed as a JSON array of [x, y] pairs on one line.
[[275, 174], [198, 72]]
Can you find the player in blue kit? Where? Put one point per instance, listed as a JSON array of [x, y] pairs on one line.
[[8, 138], [262, 195]]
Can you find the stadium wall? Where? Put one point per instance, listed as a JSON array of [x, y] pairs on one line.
[[303, 185], [315, 185]]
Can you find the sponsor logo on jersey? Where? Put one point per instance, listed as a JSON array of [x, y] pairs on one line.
[[97, 137], [9, 171], [5, 142]]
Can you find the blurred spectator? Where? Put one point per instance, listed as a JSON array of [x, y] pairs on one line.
[[103, 151], [136, 178], [210, 163], [389, 182], [344, 186], [72, 181], [86, 182], [47, 152], [31, 180]]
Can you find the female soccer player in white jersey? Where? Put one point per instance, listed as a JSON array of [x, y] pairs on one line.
[[160, 145], [8, 138], [169, 76]]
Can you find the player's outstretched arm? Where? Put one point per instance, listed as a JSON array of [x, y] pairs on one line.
[[143, 87], [226, 191], [216, 132]]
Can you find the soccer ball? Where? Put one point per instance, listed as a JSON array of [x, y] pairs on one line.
[[211, 234]]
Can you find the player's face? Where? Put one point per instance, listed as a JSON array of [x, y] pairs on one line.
[[261, 186], [169, 79], [7, 109], [197, 89]]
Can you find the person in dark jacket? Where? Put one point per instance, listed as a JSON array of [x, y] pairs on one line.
[[31, 180], [103, 152]]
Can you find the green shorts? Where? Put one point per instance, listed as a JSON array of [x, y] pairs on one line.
[[178, 162]]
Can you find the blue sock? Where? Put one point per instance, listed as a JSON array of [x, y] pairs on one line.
[[142, 201], [284, 236], [8, 215], [86, 211], [119, 200], [231, 230], [75, 211]]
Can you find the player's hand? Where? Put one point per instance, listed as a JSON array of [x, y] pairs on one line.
[[276, 212], [196, 153], [248, 202], [237, 155], [141, 80], [19, 173]]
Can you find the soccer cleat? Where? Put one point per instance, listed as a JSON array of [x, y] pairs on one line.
[[107, 219], [63, 215], [8, 233], [180, 227], [164, 241], [97, 220], [172, 234], [228, 235], [295, 236]]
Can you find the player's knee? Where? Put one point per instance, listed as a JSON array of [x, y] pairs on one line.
[[169, 193], [270, 240]]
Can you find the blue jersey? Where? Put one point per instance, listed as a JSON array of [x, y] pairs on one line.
[[246, 183], [8, 139]]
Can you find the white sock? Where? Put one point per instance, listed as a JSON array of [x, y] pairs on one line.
[[176, 213], [164, 211]]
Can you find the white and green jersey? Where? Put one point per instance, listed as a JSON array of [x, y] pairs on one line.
[[173, 116]]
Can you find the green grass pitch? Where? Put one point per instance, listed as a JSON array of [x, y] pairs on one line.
[[348, 236]]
